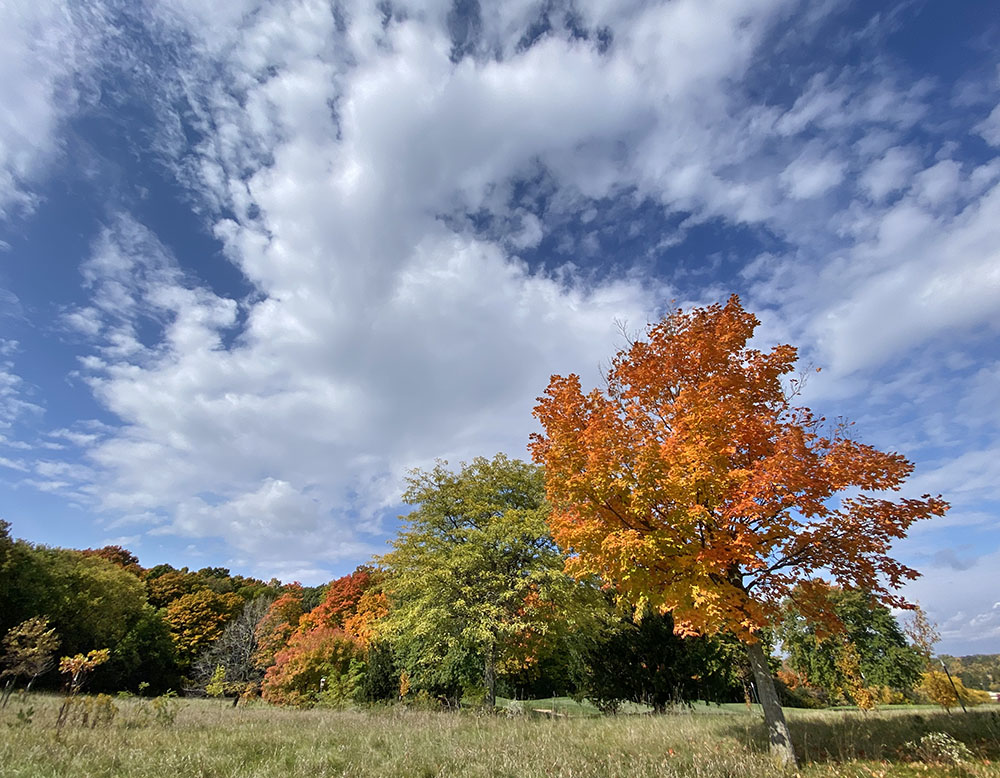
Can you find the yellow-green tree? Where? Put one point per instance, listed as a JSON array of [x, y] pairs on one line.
[[474, 577], [29, 650], [198, 619]]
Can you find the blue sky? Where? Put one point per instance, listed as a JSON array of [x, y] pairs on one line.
[[260, 259]]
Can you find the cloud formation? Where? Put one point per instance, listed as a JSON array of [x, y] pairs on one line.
[[431, 207]]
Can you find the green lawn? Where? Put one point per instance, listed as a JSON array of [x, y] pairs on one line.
[[209, 739]]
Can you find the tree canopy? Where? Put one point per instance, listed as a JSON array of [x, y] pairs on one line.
[[474, 577], [695, 484], [885, 659]]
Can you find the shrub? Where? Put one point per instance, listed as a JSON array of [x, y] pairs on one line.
[[939, 748]]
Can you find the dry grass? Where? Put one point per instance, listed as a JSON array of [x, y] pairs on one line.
[[209, 739]]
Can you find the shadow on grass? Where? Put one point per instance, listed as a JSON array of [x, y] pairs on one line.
[[832, 736]]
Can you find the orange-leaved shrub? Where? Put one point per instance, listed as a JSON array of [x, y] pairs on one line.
[[315, 663]]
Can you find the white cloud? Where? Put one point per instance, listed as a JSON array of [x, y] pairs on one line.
[[338, 161], [989, 127], [14, 404], [14, 464], [380, 338], [44, 48], [328, 405], [920, 274], [938, 185], [963, 604], [890, 173], [811, 175]]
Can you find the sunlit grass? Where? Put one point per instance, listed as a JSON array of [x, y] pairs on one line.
[[210, 739]]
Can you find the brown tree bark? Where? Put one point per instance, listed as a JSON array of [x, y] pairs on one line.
[[774, 718]]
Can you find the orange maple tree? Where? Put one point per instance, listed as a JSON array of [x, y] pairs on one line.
[[694, 484], [323, 642], [277, 626]]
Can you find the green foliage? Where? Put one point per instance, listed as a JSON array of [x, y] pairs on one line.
[[883, 654], [89, 600], [380, 679], [8, 615], [474, 579], [312, 596], [144, 655], [979, 671], [340, 690], [641, 660], [92, 599]]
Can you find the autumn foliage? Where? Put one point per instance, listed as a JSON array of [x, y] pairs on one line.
[[324, 641], [198, 619], [277, 626], [695, 484]]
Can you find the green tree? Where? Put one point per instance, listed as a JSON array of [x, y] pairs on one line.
[[89, 600], [144, 657], [640, 659], [979, 671], [474, 578], [885, 658], [6, 547]]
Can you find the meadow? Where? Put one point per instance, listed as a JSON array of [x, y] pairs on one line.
[[210, 739]]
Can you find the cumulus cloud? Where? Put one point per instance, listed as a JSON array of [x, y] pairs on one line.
[[378, 337], [300, 432], [418, 201]]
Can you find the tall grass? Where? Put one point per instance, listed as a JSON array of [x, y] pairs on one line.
[[209, 739]]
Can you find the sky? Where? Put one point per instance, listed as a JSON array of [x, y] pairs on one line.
[[259, 260]]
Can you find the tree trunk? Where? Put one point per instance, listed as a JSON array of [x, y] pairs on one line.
[[490, 678], [774, 718]]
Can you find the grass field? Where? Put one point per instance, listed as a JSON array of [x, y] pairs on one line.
[[209, 739]]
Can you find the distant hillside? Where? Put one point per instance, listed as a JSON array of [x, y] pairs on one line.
[[978, 671]]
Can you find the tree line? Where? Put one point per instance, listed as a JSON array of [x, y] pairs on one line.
[[473, 601]]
